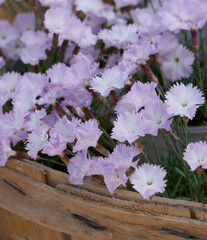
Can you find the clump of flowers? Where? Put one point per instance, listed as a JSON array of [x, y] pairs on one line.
[[88, 83]]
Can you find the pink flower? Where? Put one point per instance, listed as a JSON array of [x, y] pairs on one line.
[[87, 135], [128, 127], [183, 100], [196, 155], [148, 180]]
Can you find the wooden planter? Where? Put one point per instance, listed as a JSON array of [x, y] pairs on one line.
[[38, 203]]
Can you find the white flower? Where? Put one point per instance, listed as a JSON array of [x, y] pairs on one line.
[[148, 180], [184, 100]]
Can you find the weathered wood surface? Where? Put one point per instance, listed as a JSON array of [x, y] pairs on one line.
[[90, 212], [14, 227], [6, 12]]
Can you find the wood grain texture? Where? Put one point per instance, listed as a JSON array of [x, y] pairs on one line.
[[13, 227], [7, 13], [90, 212]]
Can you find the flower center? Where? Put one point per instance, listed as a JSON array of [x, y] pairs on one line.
[[159, 122], [177, 60], [184, 104], [149, 183]]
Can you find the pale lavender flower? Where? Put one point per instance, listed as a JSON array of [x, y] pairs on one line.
[[87, 135], [25, 21], [34, 119], [82, 165], [183, 14], [58, 73], [36, 140], [148, 180], [184, 100], [13, 121], [13, 49], [50, 119], [139, 95], [138, 54], [119, 35], [155, 116], [56, 19], [55, 146], [55, 3], [35, 45], [88, 38], [109, 80], [128, 127], [89, 6], [124, 3], [31, 86], [5, 150], [114, 167], [80, 97], [196, 155], [8, 33], [10, 81], [2, 1], [66, 129], [147, 20], [12, 125], [178, 63], [2, 62]]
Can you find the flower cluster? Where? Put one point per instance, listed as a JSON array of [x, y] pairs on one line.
[[87, 81]]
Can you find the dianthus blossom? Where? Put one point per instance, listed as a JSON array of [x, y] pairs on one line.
[[183, 100], [196, 155], [148, 180]]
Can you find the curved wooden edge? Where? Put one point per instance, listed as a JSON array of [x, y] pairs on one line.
[[86, 218], [99, 193]]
